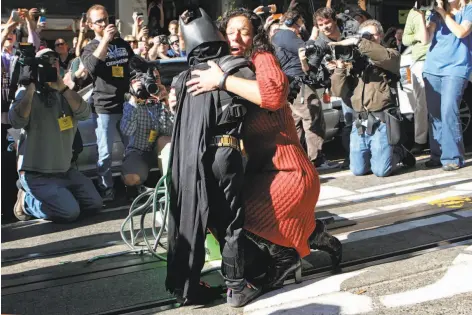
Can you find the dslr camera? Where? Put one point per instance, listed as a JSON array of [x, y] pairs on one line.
[[29, 69], [144, 72]]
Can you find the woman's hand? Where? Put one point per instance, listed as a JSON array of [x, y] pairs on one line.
[[440, 7], [208, 80]]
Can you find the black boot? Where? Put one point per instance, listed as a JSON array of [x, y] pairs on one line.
[[320, 239], [286, 261]]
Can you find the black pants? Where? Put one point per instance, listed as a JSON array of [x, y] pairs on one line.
[[226, 217]]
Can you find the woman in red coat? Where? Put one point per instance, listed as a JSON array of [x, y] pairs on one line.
[[281, 185]]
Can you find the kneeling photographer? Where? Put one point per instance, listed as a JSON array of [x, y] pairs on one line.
[[147, 121], [376, 132], [48, 112]]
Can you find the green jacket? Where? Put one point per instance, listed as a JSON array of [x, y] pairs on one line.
[[409, 36]]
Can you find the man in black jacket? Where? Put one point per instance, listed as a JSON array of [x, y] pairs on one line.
[[106, 58]]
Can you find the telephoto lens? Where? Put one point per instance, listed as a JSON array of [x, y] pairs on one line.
[[150, 83]]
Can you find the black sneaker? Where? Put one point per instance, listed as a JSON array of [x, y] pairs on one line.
[[346, 164], [240, 298], [408, 159], [108, 195], [433, 164], [419, 148]]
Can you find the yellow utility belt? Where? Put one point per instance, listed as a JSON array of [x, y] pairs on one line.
[[227, 141]]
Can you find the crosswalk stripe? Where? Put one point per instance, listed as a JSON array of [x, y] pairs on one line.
[[405, 182], [382, 231], [464, 213]]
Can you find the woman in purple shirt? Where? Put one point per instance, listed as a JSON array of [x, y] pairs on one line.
[[446, 74]]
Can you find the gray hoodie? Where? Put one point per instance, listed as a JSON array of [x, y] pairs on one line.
[[43, 147]]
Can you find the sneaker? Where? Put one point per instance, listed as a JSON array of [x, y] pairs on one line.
[[19, 209], [108, 194], [419, 148], [240, 298], [450, 167], [408, 159], [322, 164], [432, 164]]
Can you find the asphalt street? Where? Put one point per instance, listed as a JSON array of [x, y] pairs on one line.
[[45, 269]]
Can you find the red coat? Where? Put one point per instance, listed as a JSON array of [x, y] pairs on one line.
[[281, 184]]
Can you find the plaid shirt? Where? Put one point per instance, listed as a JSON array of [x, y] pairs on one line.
[[139, 120]]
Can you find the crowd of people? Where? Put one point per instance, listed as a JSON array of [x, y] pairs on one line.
[[244, 123]]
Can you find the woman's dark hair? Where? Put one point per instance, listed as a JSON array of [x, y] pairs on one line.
[[260, 42]]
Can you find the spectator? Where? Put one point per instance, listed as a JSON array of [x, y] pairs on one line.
[[106, 58], [272, 25], [360, 15], [418, 56], [160, 49], [51, 189], [156, 17], [148, 122], [173, 27], [65, 57], [131, 40], [174, 44], [446, 73], [371, 149]]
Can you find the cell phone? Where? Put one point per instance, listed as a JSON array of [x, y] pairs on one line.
[[42, 19], [15, 16], [112, 19], [84, 17], [139, 14]]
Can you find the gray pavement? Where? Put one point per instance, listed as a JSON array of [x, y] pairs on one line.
[[381, 215]]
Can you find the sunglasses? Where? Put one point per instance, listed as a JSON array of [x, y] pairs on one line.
[[175, 42], [101, 21], [59, 44]]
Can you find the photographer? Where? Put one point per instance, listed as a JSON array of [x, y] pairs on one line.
[[371, 147], [147, 121], [449, 32], [48, 112], [106, 59], [306, 107], [332, 28]]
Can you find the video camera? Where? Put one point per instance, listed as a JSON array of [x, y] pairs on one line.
[[143, 71], [29, 69]]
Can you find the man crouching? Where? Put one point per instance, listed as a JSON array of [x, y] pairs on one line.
[[48, 112], [147, 121], [372, 78]]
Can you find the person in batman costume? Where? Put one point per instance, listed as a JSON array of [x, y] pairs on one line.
[[281, 187], [207, 171]]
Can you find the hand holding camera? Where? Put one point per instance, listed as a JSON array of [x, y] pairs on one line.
[[109, 33]]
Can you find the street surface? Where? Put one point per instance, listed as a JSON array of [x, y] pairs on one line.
[[372, 215]]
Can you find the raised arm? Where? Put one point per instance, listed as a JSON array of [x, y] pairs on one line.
[[459, 30]]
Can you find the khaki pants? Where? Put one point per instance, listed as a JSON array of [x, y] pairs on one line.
[[419, 106], [309, 120]]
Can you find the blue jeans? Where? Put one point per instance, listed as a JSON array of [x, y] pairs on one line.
[[443, 97], [372, 153], [59, 196], [348, 115], [108, 126]]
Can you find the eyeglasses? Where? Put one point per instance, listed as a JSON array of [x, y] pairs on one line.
[[101, 21], [59, 44], [175, 42]]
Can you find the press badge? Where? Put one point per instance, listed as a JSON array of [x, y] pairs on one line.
[[117, 72], [152, 136], [65, 123]]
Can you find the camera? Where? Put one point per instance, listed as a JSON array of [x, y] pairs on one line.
[[144, 72], [31, 69]]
